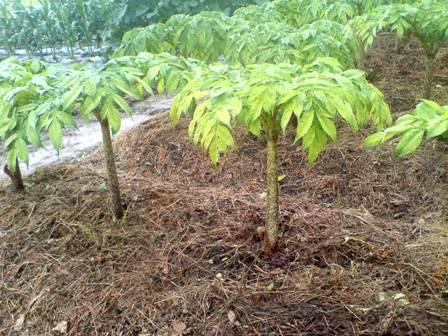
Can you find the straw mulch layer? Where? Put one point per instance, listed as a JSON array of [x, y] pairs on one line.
[[364, 248], [399, 70]]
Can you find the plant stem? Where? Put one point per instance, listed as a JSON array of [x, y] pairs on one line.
[[114, 187], [428, 76], [361, 55], [272, 208], [16, 177]]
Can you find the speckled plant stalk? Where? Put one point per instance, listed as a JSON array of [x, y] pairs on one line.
[[114, 187], [272, 207], [16, 177], [429, 73]]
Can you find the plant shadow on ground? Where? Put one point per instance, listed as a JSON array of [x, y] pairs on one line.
[[363, 251]]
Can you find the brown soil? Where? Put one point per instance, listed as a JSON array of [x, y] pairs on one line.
[[399, 73], [364, 249]]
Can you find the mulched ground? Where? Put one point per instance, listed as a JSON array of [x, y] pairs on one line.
[[364, 249], [399, 72]]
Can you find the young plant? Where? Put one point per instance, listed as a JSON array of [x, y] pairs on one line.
[[212, 36], [203, 36], [164, 72], [327, 38], [29, 105], [99, 94], [259, 14], [267, 99], [345, 10], [153, 38], [297, 13], [428, 121], [427, 20], [250, 43]]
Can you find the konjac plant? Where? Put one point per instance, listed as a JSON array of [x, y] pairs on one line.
[[427, 20], [259, 14], [300, 13], [429, 120], [212, 36], [98, 93], [267, 99], [29, 105]]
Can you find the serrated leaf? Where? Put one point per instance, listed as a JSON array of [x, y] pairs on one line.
[[89, 105], [214, 153], [226, 136], [347, 114], [223, 116], [255, 127], [127, 89]]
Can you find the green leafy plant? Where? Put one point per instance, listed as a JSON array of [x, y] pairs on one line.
[[29, 105], [297, 13], [154, 39], [212, 36], [138, 13], [329, 38], [266, 99], [203, 36], [249, 43], [164, 73], [98, 93], [259, 14], [427, 20], [56, 23], [429, 120]]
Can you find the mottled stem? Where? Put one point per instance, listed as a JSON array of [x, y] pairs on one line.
[[114, 187], [272, 208], [429, 72], [16, 177], [361, 55]]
